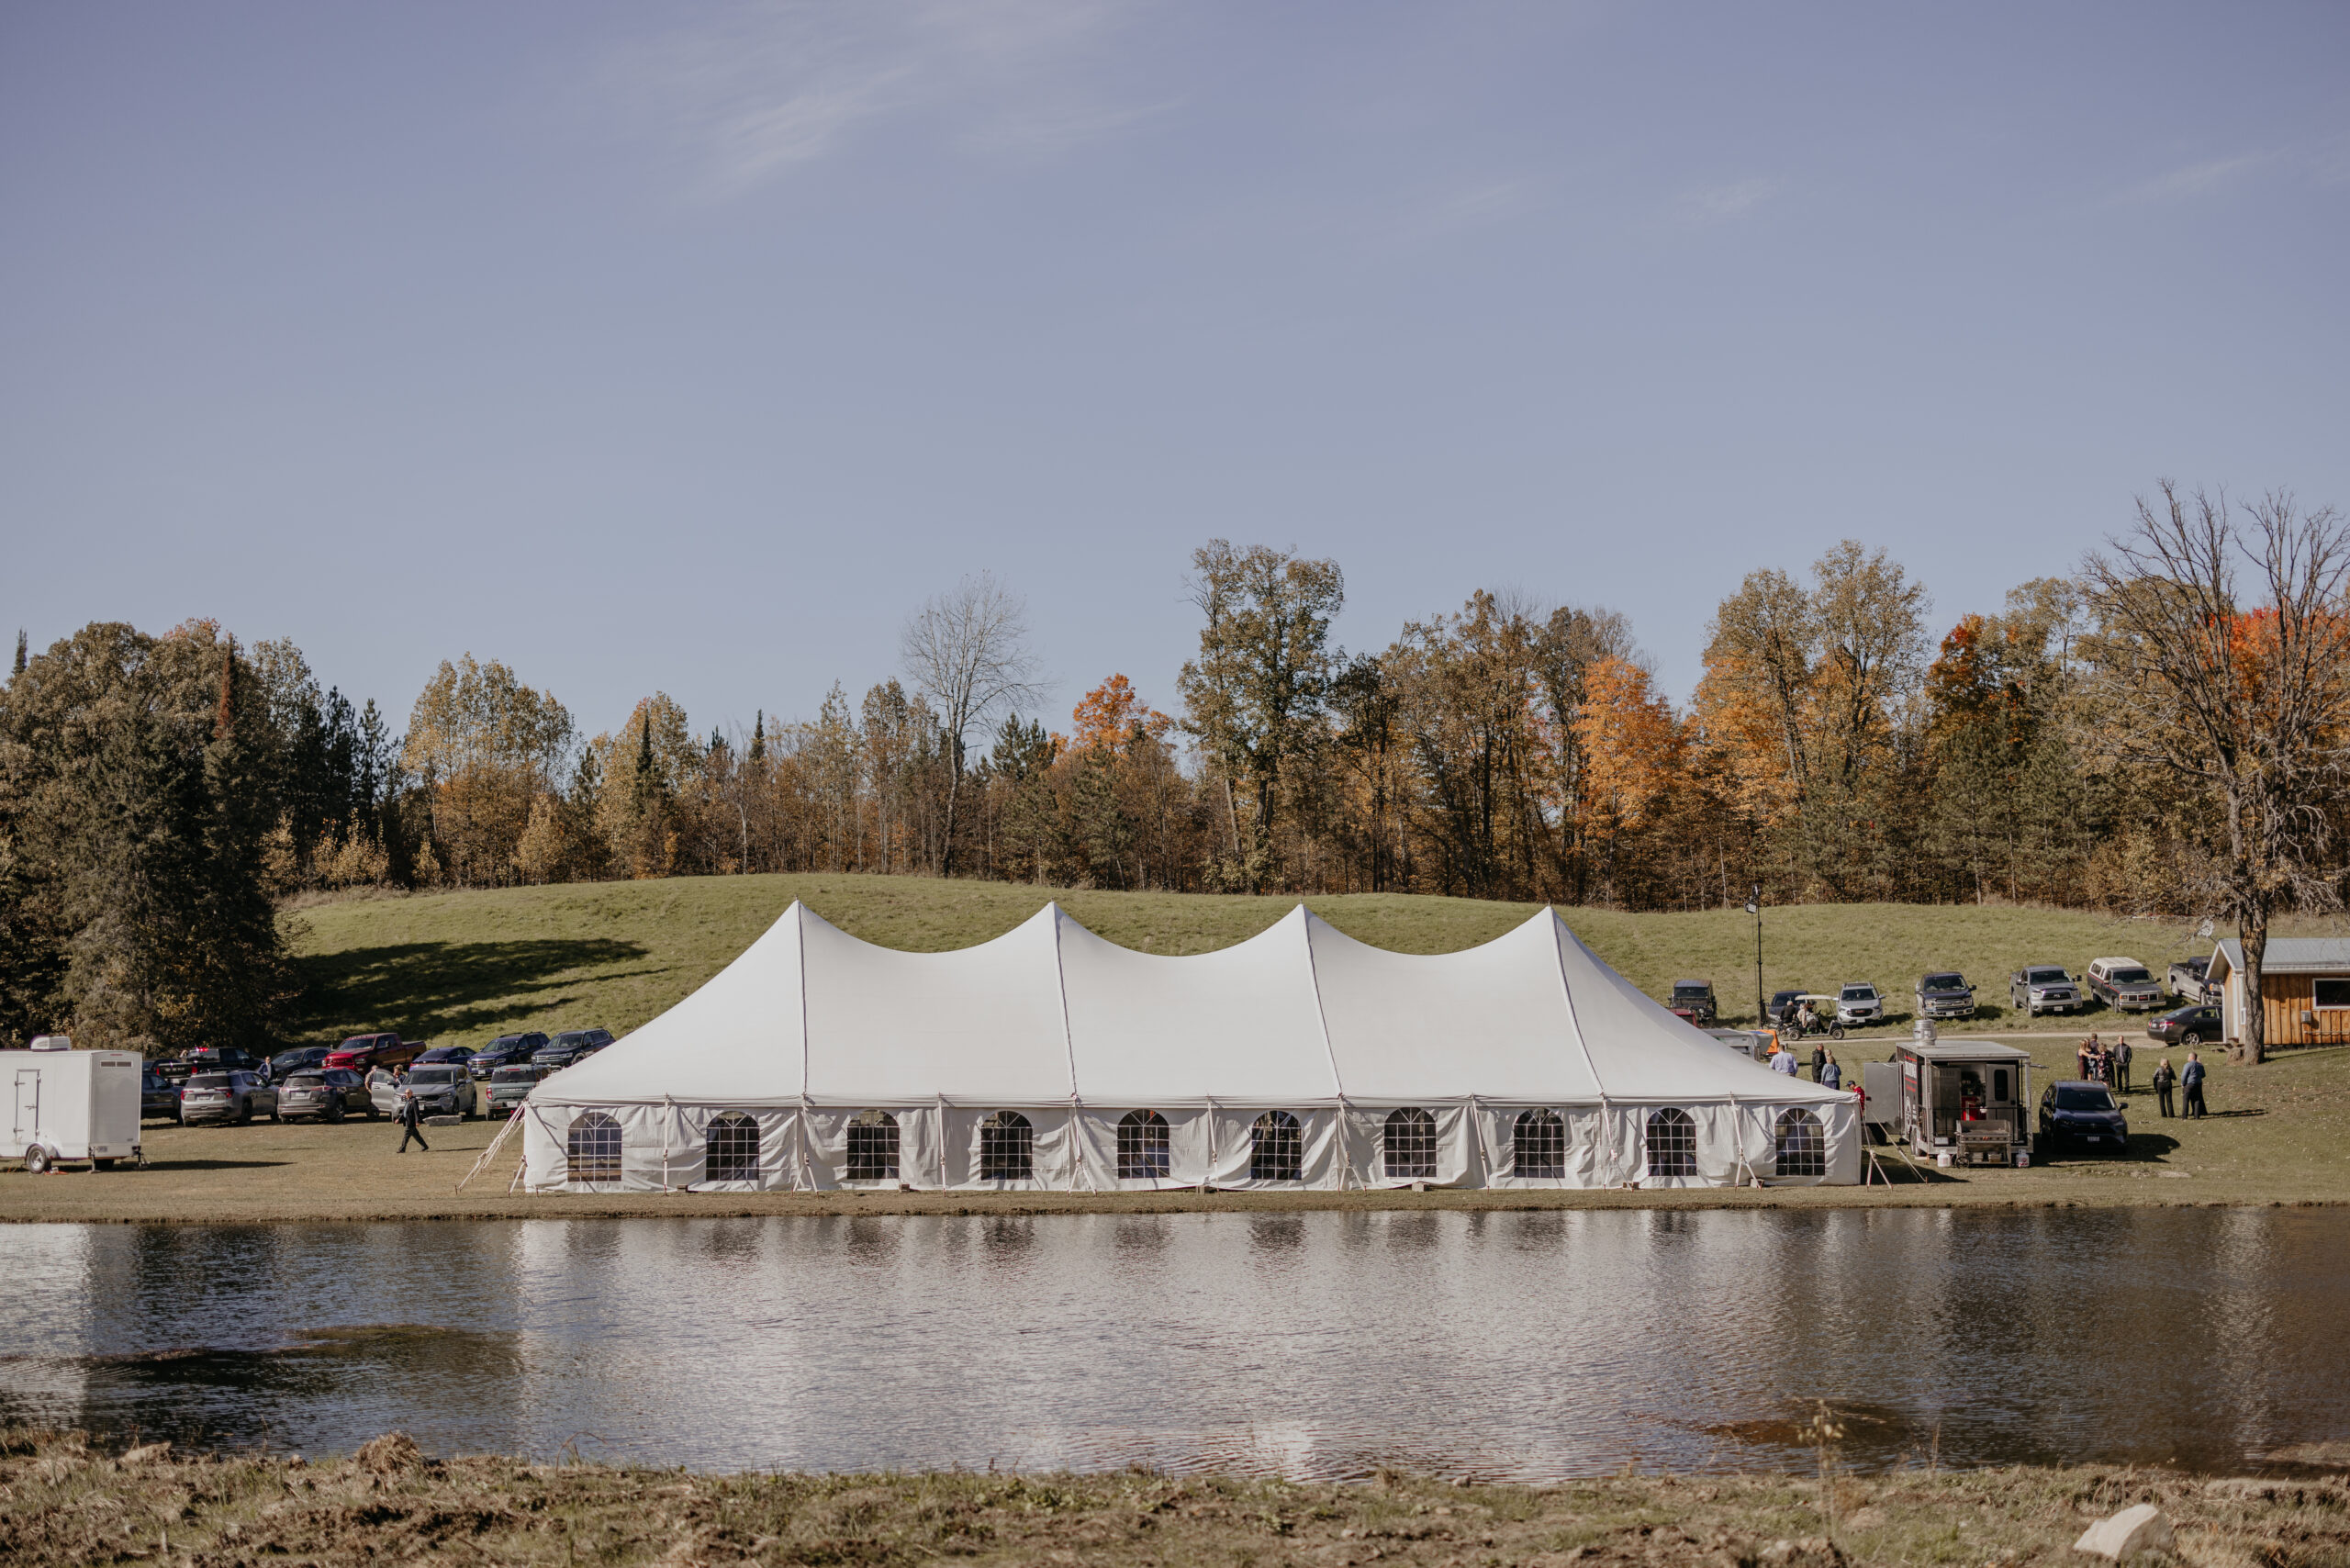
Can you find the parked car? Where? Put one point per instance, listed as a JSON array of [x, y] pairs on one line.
[[573, 1046], [1780, 1002], [329, 1093], [2189, 979], [443, 1089], [504, 1049], [1857, 1002], [2124, 983], [511, 1085], [226, 1097], [158, 1095], [2082, 1114], [1945, 994], [444, 1053], [2194, 1025], [284, 1064], [2043, 988], [362, 1053], [1692, 1001], [209, 1058], [384, 1092]]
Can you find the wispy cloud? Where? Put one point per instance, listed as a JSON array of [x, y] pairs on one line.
[[771, 84], [1472, 203], [1716, 203], [2200, 178]]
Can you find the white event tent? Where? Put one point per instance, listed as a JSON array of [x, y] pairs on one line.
[[1049, 1058]]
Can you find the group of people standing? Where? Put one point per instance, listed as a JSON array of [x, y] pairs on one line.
[[2109, 1065], [1824, 1071]]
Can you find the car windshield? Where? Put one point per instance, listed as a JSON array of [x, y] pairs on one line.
[[432, 1075], [2085, 1098], [581, 1036], [1945, 983], [2046, 977], [307, 1081], [2197, 966], [1781, 998], [208, 1081], [2131, 977], [1860, 994]]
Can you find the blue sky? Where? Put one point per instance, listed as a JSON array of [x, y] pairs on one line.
[[688, 347]]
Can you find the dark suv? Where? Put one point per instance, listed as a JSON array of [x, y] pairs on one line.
[[503, 1050], [2082, 1114], [572, 1046]]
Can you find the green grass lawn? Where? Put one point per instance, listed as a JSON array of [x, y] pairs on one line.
[[457, 968]]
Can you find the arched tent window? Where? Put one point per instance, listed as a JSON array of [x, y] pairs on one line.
[[1007, 1148], [1410, 1152], [1142, 1146], [593, 1149], [1538, 1144], [1673, 1143], [730, 1149], [1276, 1148], [873, 1147], [1800, 1144]]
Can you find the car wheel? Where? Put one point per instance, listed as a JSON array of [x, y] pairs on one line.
[[335, 1117], [2189, 1042], [36, 1160], [245, 1115]]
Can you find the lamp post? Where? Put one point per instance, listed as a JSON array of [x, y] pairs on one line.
[[1754, 908]]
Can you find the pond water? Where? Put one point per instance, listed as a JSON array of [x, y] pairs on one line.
[[1526, 1346]]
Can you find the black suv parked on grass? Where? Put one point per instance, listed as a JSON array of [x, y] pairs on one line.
[[503, 1050]]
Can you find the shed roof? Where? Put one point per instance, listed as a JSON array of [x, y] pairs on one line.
[[2286, 956]]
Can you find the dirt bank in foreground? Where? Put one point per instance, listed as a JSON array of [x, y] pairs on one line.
[[69, 1504]]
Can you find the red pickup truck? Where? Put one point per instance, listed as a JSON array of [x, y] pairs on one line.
[[361, 1052]]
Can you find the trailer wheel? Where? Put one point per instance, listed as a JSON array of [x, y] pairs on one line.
[[36, 1160], [101, 1164]]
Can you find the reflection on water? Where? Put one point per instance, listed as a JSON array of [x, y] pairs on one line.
[[1526, 1345]]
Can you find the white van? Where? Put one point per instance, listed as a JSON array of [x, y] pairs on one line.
[[69, 1105]]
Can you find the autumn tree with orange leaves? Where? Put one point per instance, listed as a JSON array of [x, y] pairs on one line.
[[2228, 666]]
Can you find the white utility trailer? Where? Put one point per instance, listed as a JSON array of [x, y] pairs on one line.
[[66, 1105]]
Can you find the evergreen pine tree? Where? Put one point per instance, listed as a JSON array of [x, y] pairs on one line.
[[20, 653], [759, 726]]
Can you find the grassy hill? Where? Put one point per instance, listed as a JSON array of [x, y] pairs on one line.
[[457, 968]]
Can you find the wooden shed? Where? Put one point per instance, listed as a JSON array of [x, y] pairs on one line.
[[2304, 989]]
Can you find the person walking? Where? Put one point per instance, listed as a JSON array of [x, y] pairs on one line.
[[2122, 1065], [1818, 1061], [2190, 1078], [412, 1122], [1830, 1074], [2162, 1079]]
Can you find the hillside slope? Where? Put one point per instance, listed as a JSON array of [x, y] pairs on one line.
[[457, 968]]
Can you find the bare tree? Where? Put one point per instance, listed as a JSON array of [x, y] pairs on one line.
[[2247, 702], [968, 651]]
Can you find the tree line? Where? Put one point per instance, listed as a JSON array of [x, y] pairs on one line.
[[2159, 732]]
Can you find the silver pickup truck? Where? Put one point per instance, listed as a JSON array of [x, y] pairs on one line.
[[2043, 988]]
